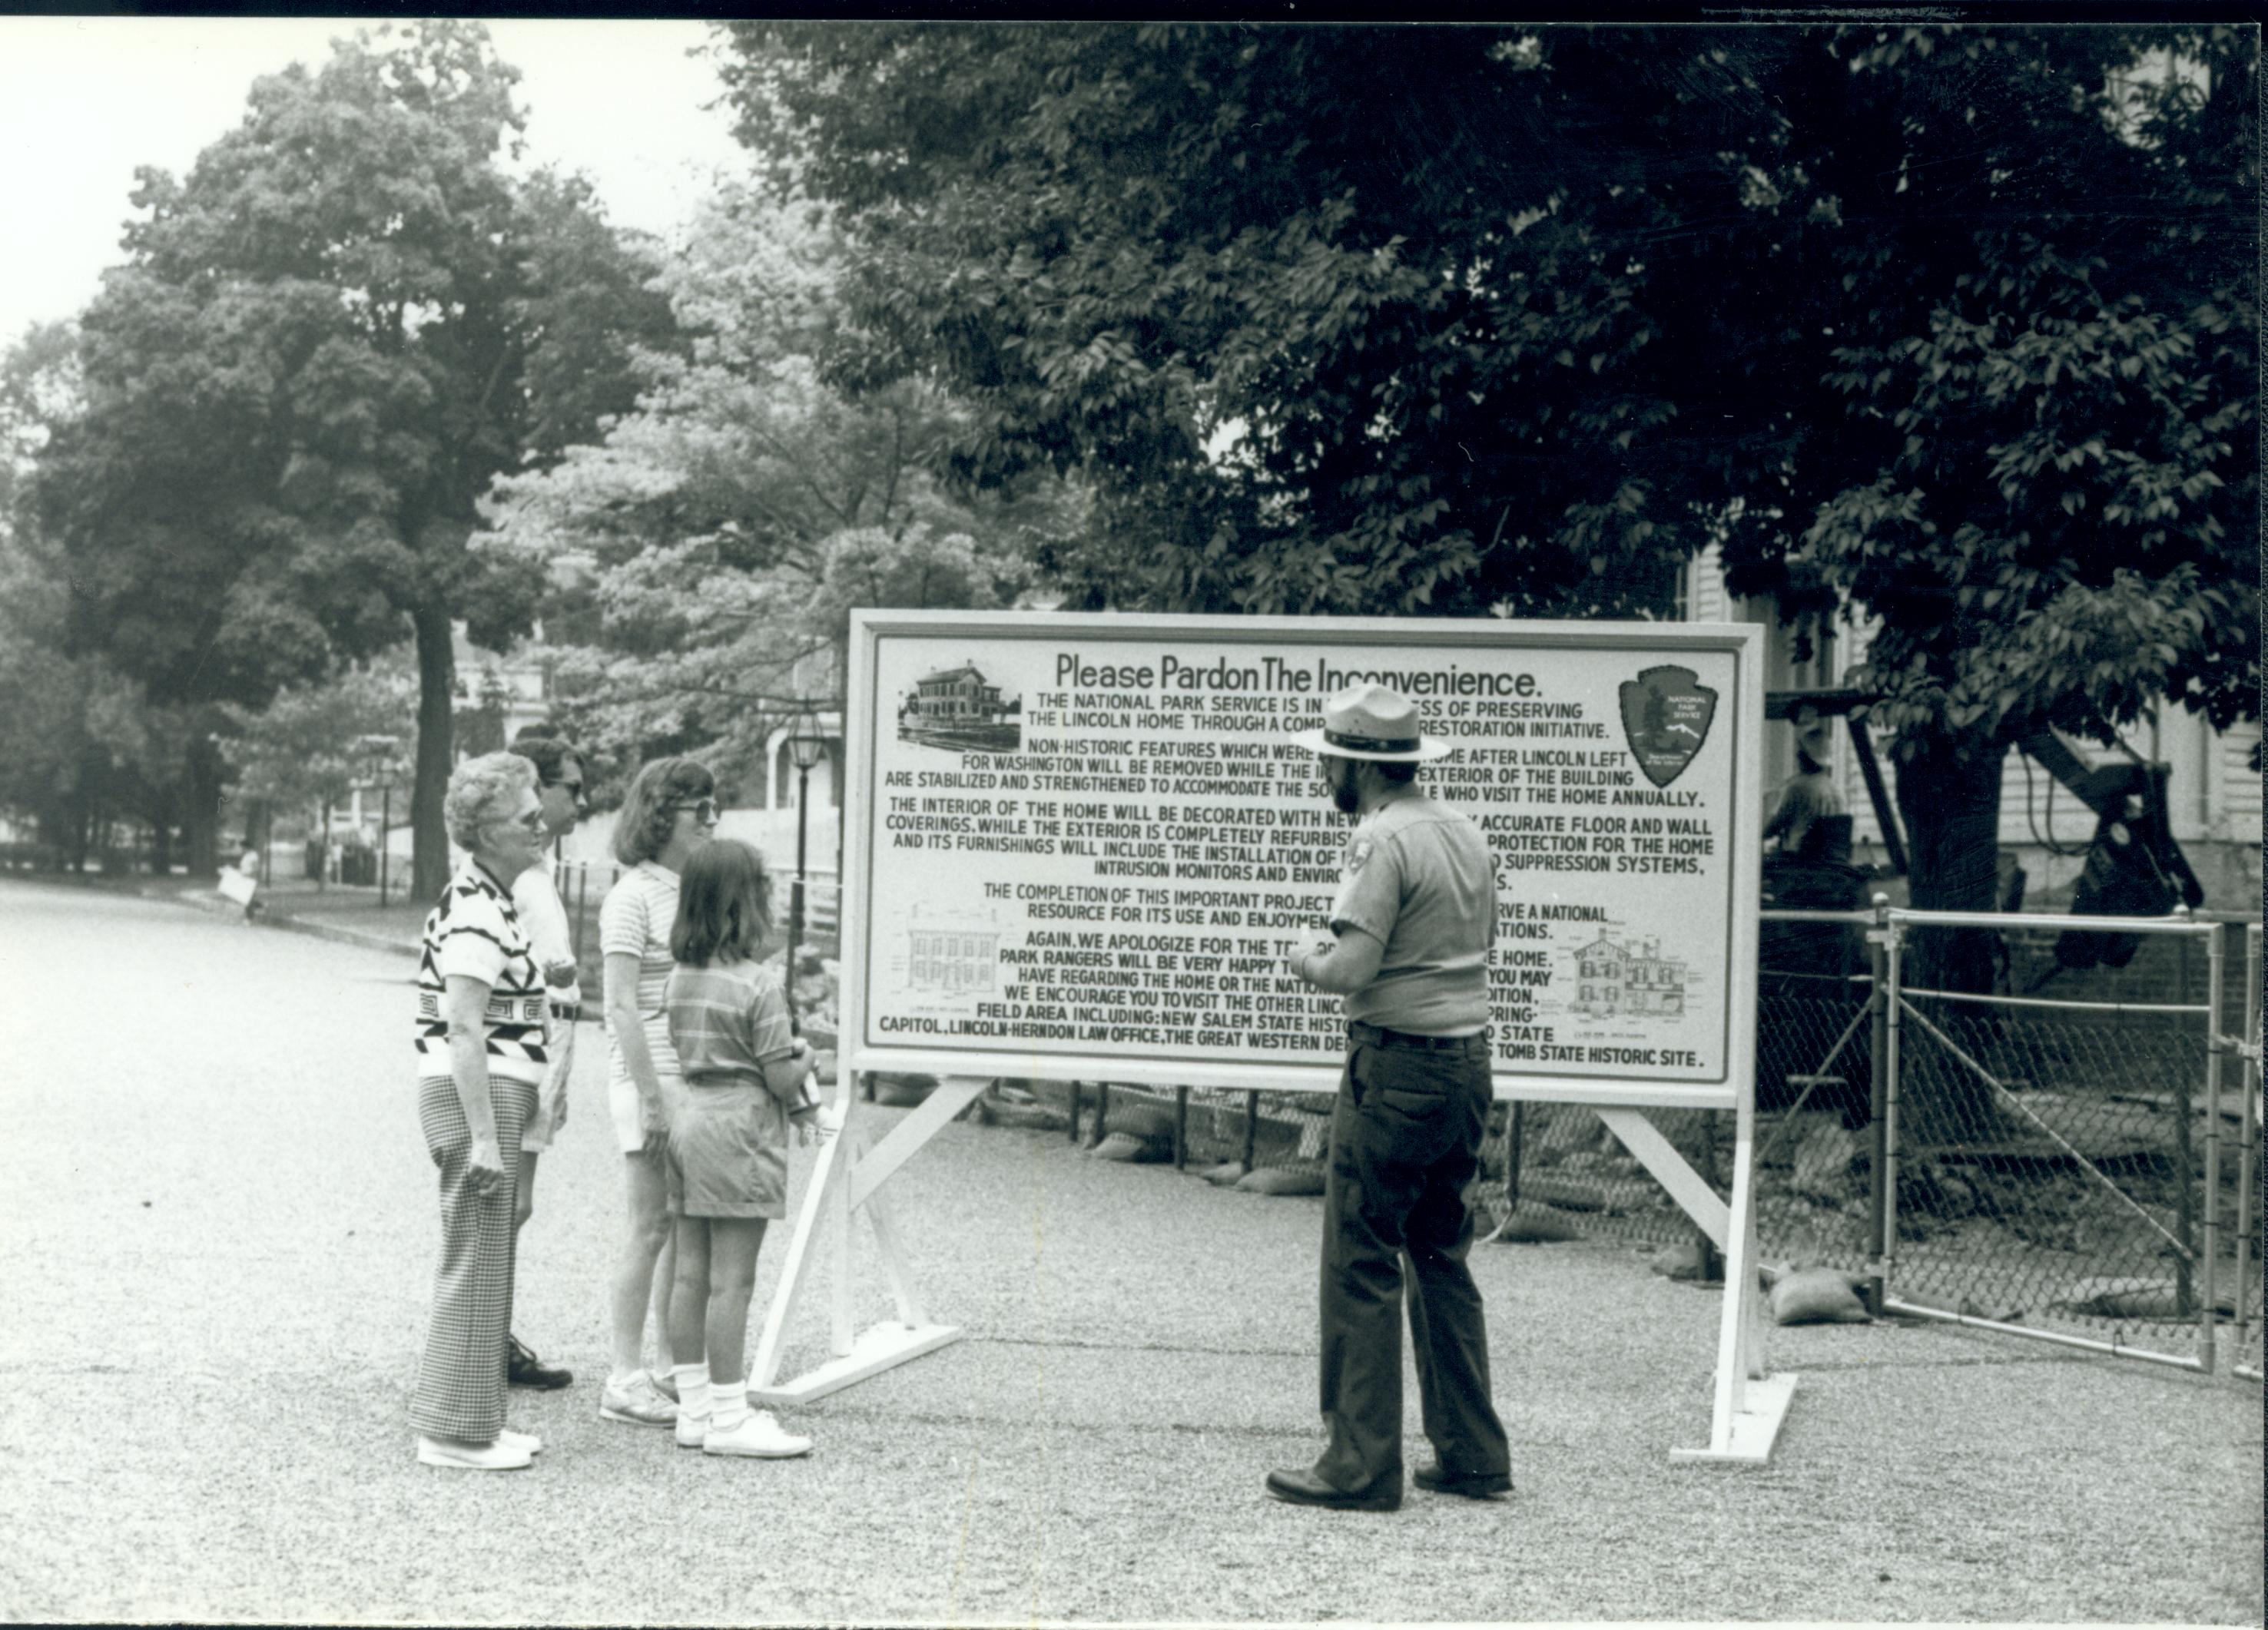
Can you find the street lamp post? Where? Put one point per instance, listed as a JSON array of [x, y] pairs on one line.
[[380, 749], [806, 745]]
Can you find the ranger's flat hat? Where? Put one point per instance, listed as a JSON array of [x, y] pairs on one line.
[[1372, 722]]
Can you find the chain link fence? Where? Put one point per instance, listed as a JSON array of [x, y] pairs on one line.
[[2070, 1155]]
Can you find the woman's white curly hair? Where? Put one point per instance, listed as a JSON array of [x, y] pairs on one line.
[[483, 791]]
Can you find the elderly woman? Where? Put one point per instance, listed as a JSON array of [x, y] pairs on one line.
[[480, 1060], [669, 811]]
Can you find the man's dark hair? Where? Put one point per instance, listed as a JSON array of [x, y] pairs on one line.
[[546, 749], [1396, 774]]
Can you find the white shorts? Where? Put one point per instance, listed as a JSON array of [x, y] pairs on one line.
[[630, 1129], [551, 1097]]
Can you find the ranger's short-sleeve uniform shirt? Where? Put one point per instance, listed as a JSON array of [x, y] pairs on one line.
[[1419, 877]]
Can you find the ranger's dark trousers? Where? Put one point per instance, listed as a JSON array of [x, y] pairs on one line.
[[1405, 1140]]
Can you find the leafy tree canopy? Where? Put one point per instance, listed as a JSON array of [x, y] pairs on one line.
[[324, 343], [1956, 322], [706, 550]]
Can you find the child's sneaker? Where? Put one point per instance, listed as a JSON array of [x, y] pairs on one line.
[[692, 1430], [636, 1402], [759, 1437]]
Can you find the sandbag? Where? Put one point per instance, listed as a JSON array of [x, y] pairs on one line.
[[1283, 1180], [1125, 1146], [1227, 1172], [1536, 1225], [1816, 1296]]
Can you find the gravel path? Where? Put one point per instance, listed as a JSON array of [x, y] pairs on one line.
[[216, 1235]]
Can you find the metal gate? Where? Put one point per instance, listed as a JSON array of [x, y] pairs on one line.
[[2054, 1163]]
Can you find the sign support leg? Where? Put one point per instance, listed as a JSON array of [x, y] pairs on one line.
[[847, 1177], [1749, 1404]]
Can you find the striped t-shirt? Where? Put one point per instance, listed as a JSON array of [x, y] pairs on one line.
[[728, 1020], [634, 921], [474, 932]]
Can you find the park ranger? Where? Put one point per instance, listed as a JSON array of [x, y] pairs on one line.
[[1407, 946]]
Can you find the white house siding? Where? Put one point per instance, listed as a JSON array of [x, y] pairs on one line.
[[2213, 793]]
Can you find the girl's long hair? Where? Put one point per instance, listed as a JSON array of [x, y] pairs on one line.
[[724, 904]]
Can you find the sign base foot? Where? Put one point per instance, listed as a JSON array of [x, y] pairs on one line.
[[1756, 1424], [879, 1347]]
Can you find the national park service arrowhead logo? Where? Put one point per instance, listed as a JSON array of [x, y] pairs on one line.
[[1666, 714]]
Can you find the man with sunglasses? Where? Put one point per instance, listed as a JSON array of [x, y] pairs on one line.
[[535, 897]]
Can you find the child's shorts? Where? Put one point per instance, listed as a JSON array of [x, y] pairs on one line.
[[728, 1154]]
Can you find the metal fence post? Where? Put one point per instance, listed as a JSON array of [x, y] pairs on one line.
[[2215, 1040], [2247, 1172], [1893, 979], [1878, 1099]]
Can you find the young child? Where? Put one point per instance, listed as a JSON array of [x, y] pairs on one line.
[[747, 1082]]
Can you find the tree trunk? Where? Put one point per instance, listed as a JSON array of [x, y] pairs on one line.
[[1950, 801], [436, 679], [201, 814]]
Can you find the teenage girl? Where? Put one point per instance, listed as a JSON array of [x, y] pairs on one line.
[[747, 1080]]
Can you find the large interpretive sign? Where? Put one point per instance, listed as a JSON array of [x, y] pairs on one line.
[[1081, 845]]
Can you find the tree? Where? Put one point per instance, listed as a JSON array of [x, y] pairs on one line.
[[311, 744], [323, 344], [706, 550], [1955, 325]]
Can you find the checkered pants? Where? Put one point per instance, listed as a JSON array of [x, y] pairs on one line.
[[461, 1379]]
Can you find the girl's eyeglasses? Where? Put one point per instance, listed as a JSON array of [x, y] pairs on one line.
[[704, 810]]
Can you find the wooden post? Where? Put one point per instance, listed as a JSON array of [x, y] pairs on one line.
[[1181, 1128], [1251, 1126]]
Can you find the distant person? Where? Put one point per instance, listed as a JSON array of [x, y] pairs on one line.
[[747, 1080], [1809, 796], [247, 887], [1408, 945], [669, 813], [480, 1062], [535, 895]]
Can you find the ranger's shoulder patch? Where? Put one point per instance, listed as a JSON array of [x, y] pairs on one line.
[[1358, 852]]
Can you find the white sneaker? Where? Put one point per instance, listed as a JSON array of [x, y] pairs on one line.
[[692, 1430], [501, 1456], [758, 1437], [636, 1402], [521, 1440]]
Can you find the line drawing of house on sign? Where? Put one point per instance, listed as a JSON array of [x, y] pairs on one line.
[[949, 956], [1614, 980]]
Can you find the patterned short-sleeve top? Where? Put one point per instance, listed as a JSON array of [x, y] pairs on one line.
[[474, 932], [634, 921], [729, 1020]]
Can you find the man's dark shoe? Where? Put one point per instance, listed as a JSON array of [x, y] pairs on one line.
[[526, 1369], [1305, 1488], [1487, 1486]]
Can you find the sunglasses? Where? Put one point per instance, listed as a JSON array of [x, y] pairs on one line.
[[704, 810], [533, 821]]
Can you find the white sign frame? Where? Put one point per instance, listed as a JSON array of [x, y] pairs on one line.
[[1743, 715]]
